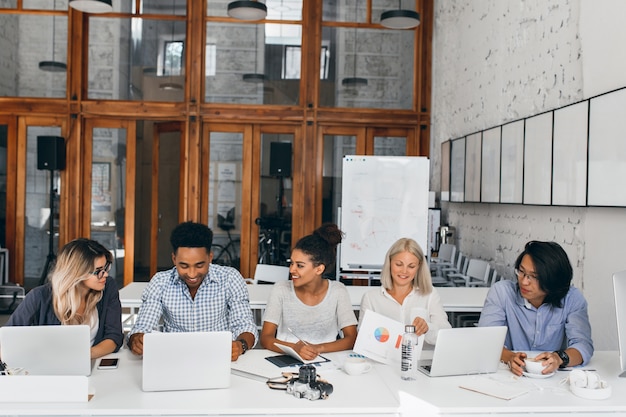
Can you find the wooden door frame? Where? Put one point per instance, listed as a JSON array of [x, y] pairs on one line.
[[158, 129], [131, 182]]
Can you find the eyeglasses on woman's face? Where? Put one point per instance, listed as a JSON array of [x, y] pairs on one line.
[[99, 272]]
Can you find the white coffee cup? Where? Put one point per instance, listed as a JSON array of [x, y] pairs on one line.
[[533, 366], [356, 366]]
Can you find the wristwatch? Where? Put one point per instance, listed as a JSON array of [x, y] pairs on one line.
[[244, 345], [564, 357]]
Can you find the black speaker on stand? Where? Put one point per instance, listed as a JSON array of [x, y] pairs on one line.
[[280, 167], [51, 157]]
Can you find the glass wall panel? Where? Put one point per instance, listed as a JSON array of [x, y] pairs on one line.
[[225, 175], [4, 133], [38, 70], [389, 146], [108, 183], [136, 59], [369, 68], [38, 211], [166, 7], [335, 147], [276, 9], [253, 64], [276, 198], [355, 10], [44, 4], [8, 4]]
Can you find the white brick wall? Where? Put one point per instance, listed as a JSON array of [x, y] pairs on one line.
[[500, 60]]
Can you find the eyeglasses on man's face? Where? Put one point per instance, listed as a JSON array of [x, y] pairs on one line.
[[523, 274], [99, 272]]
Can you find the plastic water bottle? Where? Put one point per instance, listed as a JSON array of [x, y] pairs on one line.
[[408, 366]]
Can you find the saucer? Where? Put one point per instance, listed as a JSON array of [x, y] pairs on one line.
[[538, 376]]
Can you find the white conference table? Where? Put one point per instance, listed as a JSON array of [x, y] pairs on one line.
[[454, 299], [380, 392]]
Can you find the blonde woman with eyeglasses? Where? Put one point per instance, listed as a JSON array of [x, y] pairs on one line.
[[79, 291]]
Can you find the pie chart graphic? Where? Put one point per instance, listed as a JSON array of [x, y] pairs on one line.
[[381, 334]]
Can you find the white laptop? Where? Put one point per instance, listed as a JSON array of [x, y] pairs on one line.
[[186, 361], [47, 350], [466, 351], [619, 291]]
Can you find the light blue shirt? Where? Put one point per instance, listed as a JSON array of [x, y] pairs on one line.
[[543, 329], [221, 304]]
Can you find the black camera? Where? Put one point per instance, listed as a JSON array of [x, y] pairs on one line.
[[308, 385]]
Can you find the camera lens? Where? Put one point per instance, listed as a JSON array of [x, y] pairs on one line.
[[307, 374]]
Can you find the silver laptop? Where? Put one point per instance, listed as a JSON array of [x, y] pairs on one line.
[[619, 291], [47, 350], [186, 361], [466, 351]]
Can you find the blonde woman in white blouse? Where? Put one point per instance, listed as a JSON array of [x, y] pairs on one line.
[[407, 293]]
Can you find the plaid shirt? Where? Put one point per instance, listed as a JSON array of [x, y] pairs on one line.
[[221, 304]]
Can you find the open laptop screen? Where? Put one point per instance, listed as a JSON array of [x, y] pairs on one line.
[[619, 290], [47, 350], [168, 364]]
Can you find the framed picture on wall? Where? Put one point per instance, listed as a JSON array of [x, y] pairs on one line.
[[457, 170], [512, 162], [101, 187]]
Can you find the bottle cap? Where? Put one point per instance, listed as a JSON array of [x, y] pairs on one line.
[[409, 328]]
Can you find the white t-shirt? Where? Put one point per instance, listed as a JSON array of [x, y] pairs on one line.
[[316, 324], [415, 304]]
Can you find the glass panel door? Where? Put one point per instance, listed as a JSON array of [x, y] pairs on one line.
[[166, 184], [41, 204], [108, 186], [275, 196]]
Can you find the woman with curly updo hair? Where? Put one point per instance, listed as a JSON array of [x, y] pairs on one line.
[[315, 309]]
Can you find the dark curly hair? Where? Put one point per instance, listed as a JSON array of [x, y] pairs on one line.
[[191, 235], [321, 245], [553, 268]]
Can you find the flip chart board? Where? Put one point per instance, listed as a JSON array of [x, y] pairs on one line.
[[384, 198]]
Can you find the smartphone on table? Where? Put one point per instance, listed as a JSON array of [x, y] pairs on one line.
[[108, 363]]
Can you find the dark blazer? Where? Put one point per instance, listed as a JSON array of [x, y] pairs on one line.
[[36, 310]]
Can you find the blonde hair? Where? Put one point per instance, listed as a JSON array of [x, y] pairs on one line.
[[74, 264], [422, 280]]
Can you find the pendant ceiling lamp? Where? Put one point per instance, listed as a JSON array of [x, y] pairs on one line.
[[92, 6], [255, 77], [170, 85], [247, 10], [354, 81], [53, 65], [400, 18]]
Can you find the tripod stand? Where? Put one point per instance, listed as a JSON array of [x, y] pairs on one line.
[[51, 255]]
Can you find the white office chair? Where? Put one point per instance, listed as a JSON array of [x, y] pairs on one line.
[[477, 275], [269, 274], [440, 277], [446, 257]]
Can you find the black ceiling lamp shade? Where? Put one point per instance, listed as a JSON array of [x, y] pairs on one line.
[[92, 6], [247, 10], [255, 77], [53, 65], [354, 82], [400, 18]]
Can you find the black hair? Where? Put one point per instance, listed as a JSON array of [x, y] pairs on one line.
[[191, 235], [553, 269], [321, 245]]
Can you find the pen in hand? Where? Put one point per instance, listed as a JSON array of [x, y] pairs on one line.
[[296, 336]]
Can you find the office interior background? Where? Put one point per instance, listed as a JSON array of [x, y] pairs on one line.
[[158, 131]]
